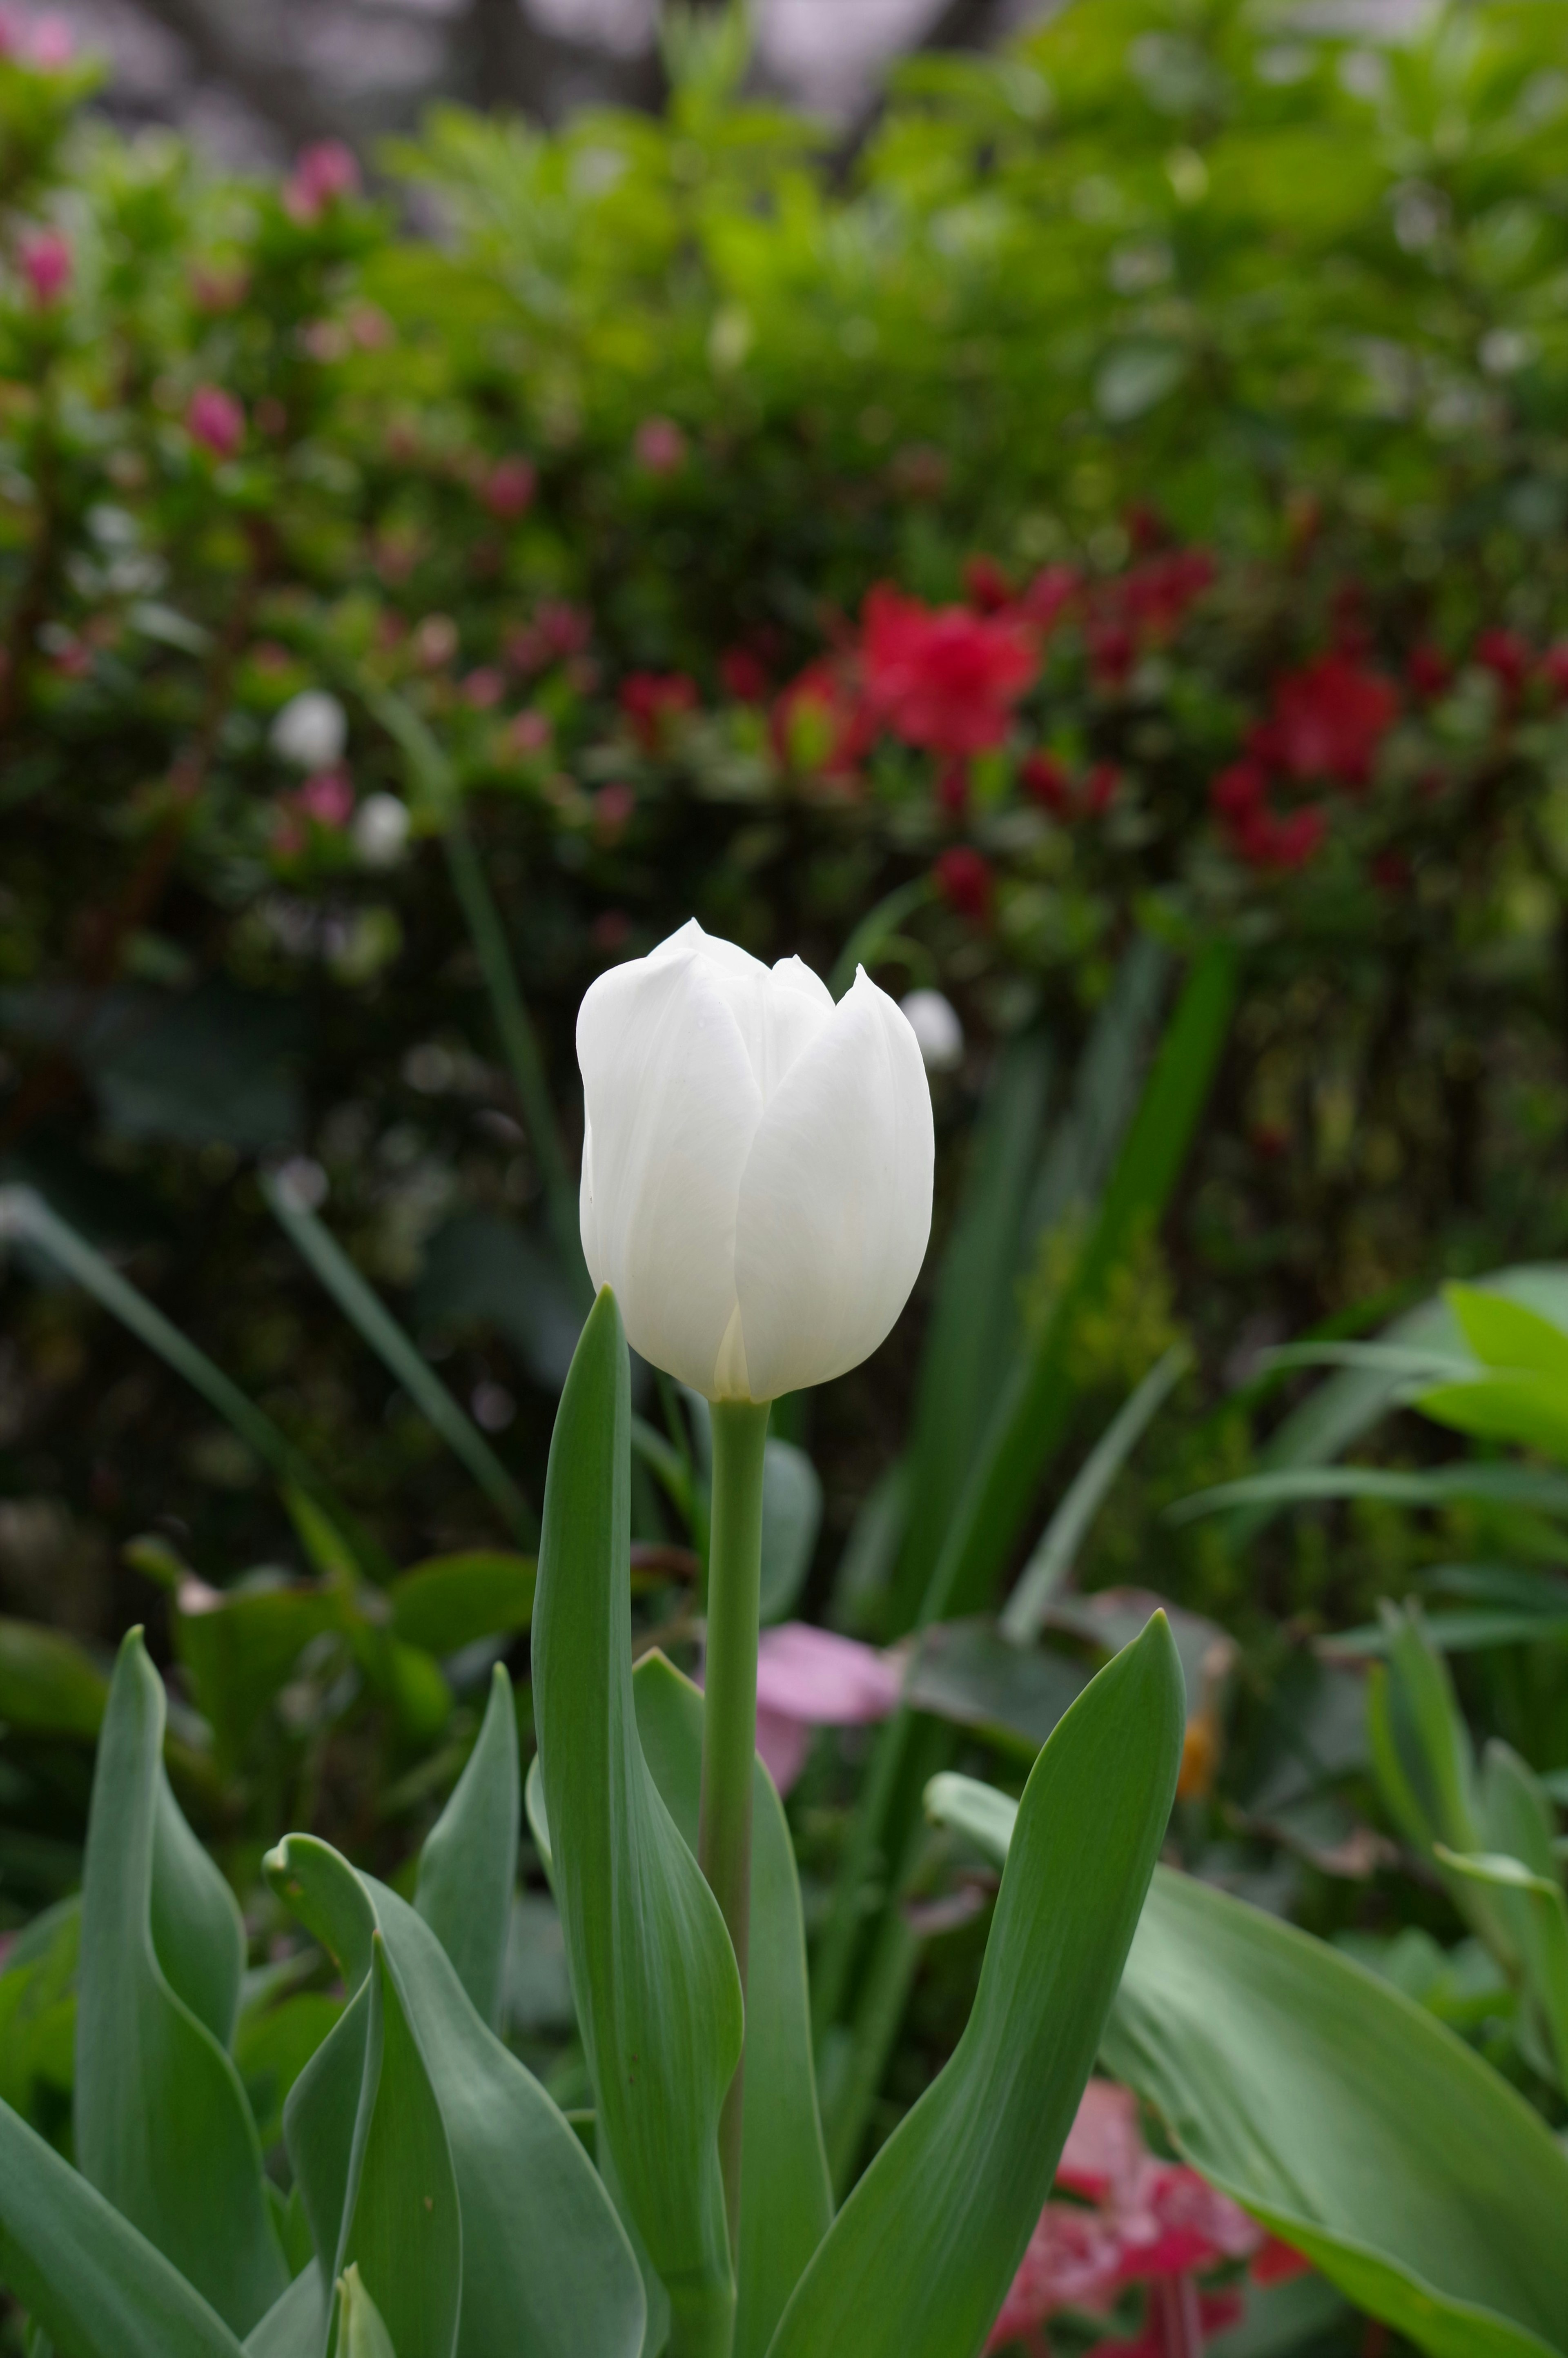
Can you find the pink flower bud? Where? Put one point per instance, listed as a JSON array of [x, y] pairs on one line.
[[508, 489], [46, 259], [322, 174], [53, 45], [215, 419], [660, 445], [328, 798]]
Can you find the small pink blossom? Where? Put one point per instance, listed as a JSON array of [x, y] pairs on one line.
[[809, 1678], [322, 174], [435, 642], [325, 341], [613, 807], [46, 259], [484, 687], [661, 446], [53, 45], [371, 329], [217, 286], [215, 419], [508, 489], [328, 798], [529, 733]]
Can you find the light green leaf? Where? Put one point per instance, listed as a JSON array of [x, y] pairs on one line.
[[163, 2128], [546, 2265], [296, 2325], [468, 1870], [982, 1816], [654, 1977], [1445, 1486], [922, 2254], [1504, 1332], [38, 2009], [1543, 1916], [450, 1601], [1530, 1411], [358, 2330], [90, 2280], [1350, 2122], [786, 2204]]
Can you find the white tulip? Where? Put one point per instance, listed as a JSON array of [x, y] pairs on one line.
[[378, 830], [756, 1171], [934, 1023], [312, 729]]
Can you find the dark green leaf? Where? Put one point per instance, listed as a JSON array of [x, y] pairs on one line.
[[450, 1601], [48, 1683]]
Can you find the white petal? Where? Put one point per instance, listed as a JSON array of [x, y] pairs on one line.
[[672, 1110], [835, 1210]]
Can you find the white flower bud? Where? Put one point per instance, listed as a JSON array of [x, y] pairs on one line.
[[933, 1021], [756, 1171], [380, 830], [311, 730]]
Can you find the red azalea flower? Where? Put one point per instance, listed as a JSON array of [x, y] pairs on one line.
[[1327, 721], [652, 701], [215, 419], [944, 677], [1239, 791], [821, 723], [508, 489], [1508, 656], [1045, 781], [744, 674], [986, 586], [964, 881], [1100, 788], [1554, 669], [328, 798], [953, 789], [1428, 670], [1048, 595], [1112, 650], [1154, 597]]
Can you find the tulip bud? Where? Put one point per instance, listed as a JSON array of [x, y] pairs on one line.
[[756, 1169]]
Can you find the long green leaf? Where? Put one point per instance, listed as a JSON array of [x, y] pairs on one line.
[[786, 2202], [449, 1601], [546, 2265], [468, 1870], [374, 1322], [922, 2254], [358, 2330], [1545, 1911], [1445, 1486], [163, 2128], [95, 2284], [49, 1683], [296, 2325], [1350, 2121], [654, 1977]]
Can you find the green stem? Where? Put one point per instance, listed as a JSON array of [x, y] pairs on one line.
[[729, 1714]]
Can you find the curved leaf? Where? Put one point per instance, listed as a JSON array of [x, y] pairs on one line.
[[296, 2325], [1350, 2121], [654, 1977], [450, 1601], [358, 2329], [786, 2201], [922, 2254], [163, 2128], [469, 1866], [88, 2278], [546, 2265]]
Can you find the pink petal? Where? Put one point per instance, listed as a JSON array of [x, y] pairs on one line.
[[783, 1744], [1104, 2152], [827, 1681]]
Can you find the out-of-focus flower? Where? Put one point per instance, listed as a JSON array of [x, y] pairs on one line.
[[53, 45], [934, 1020], [46, 261], [652, 703], [435, 642], [986, 586], [1101, 788], [509, 488], [1261, 835], [944, 677], [1428, 670], [1045, 781], [1508, 656], [756, 1167], [215, 419], [660, 445], [1554, 669], [821, 723], [311, 730], [744, 674], [965, 881], [322, 174], [614, 807], [328, 798], [219, 286], [484, 687], [530, 734], [1049, 595], [1327, 721], [809, 1678], [380, 831]]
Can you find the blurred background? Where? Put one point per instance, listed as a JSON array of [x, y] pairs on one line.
[[1061, 505]]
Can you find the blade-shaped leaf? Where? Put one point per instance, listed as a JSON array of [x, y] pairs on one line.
[[450, 1601], [922, 2254], [1504, 1332], [296, 2325], [358, 2329], [786, 2204], [546, 2265], [654, 1977], [238, 1646], [1350, 2121], [163, 2128], [88, 2278], [468, 1870], [1544, 1911], [1530, 1411], [1445, 1486]]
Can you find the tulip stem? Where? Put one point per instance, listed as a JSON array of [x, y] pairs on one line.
[[729, 1714]]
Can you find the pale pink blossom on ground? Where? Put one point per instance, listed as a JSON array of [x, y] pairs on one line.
[[809, 1678]]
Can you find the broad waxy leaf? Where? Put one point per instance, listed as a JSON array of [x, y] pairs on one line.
[[1350, 2121], [163, 2128], [546, 2267], [786, 2204], [653, 1975], [296, 2325], [93, 2283], [922, 2254], [469, 1867]]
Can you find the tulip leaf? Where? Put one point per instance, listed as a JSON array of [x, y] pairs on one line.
[[922, 2254], [358, 2329], [48, 1685], [469, 1867], [450, 1601], [545, 2265], [239, 1646], [653, 1975], [786, 2202], [163, 2126], [1540, 1913], [38, 2009], [90, 2278], [1348, 2120], [296, 2325]]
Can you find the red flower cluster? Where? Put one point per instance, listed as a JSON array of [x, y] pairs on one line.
[[557, 632], [944, 677], [963, 877], [1048, 782], [1261, 835], [821, 723], [1327, 721], [653, 701], [1144, 608]]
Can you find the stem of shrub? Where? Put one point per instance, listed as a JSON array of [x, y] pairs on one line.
[[730, 1715]]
